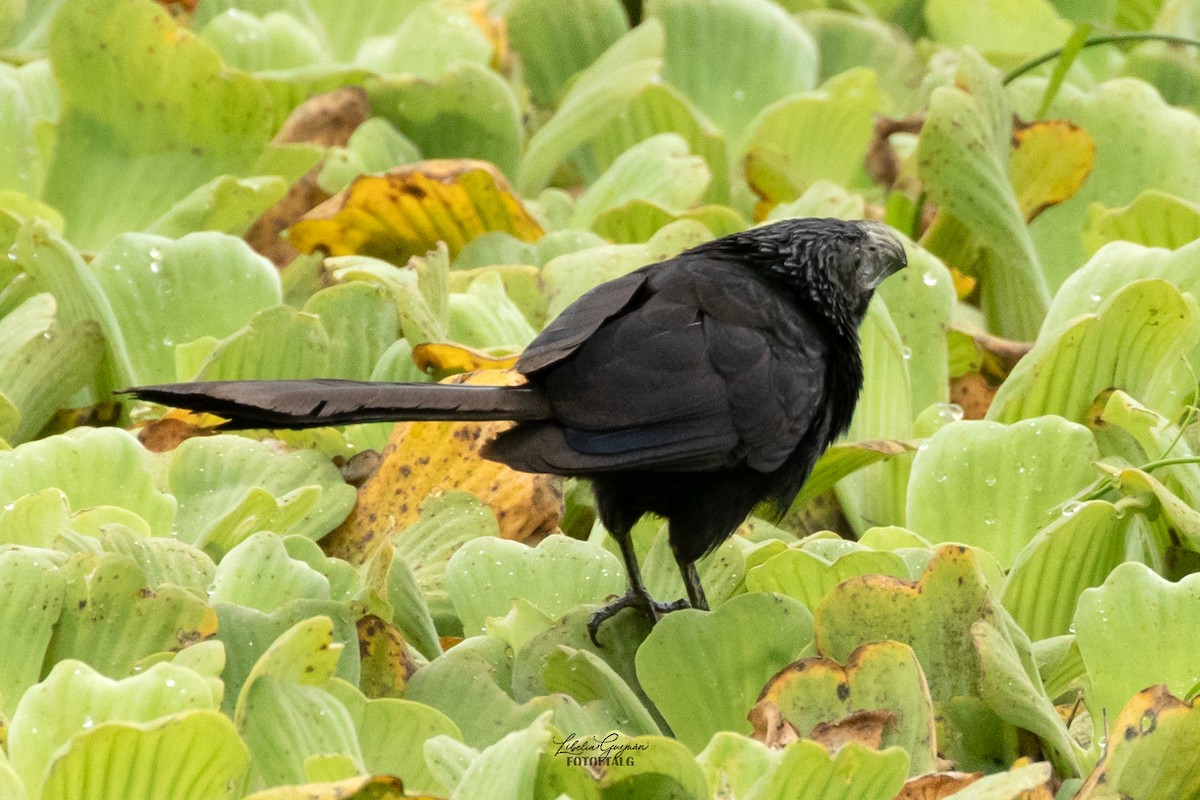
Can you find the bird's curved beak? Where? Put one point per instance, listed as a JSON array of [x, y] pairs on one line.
[[884, 254]]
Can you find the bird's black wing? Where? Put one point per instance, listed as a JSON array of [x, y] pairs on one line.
[[712, 370], [579, 321]]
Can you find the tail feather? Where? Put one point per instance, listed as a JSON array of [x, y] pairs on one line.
[[317, 403]]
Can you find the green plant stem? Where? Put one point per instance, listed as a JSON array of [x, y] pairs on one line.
[[1115, 38]]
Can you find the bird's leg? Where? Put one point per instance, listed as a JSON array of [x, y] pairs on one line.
[[691, 582], [636, 597]]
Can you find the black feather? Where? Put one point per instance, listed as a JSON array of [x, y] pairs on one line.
[[694, 389]]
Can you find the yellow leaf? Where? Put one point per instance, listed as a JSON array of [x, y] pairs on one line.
[[1049, 163], [444, 358], [406, 211], [426, 457]]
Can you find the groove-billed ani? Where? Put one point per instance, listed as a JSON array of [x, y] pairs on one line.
[[694, 388]]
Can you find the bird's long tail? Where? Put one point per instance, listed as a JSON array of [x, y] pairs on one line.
[[316, 403]]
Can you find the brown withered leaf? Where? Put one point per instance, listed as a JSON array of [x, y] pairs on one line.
[[864, 727], [423, 457], [973, 393], [325, 119], [359, 467], [936, 785], [406, 211], [386, 665], [770, 727], [882, 163], [174, 428]]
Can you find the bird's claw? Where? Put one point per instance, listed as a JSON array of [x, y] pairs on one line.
[[631, 599]]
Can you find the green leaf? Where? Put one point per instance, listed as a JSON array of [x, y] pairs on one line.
[[375, 146], [507, 769], [921, 298], [392, 734], [20, 169], [259, 573], [874, 495], [447, 523], [660, 767], [484, 316], [431, 39], [1153, 219], [258, 350], [191, 756], [704, 669], [348, 24], [41, 365], [33, 592], [112, 618], [247, 634], [1154, 728], [276, 41], [597, 96], [854, 771], [228, 487], [1074, 552], [468, 112], [808, 576], [819, 135], [362, 322], [962, 159], [165, 292], [162, 561], [1133, 342], [660, 108], [92, 467], [1012, 687], [846, 40], [487, 713], [591, 681], [732, 95], [658, 170], [224, 205], [74, 699], [557, 39], [392, 578], [58, 268], [994, 486], [932, 616], [1070, 51], [1010, 26], [148, 107], [286, 714], [1127, 646], [571, 275], [485, 575]]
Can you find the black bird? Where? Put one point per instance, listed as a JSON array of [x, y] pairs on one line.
[[694, 388]]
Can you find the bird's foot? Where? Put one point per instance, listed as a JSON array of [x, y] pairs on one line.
[[631, 599]]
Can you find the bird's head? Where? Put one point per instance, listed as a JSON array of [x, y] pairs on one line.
[[832, 265]]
